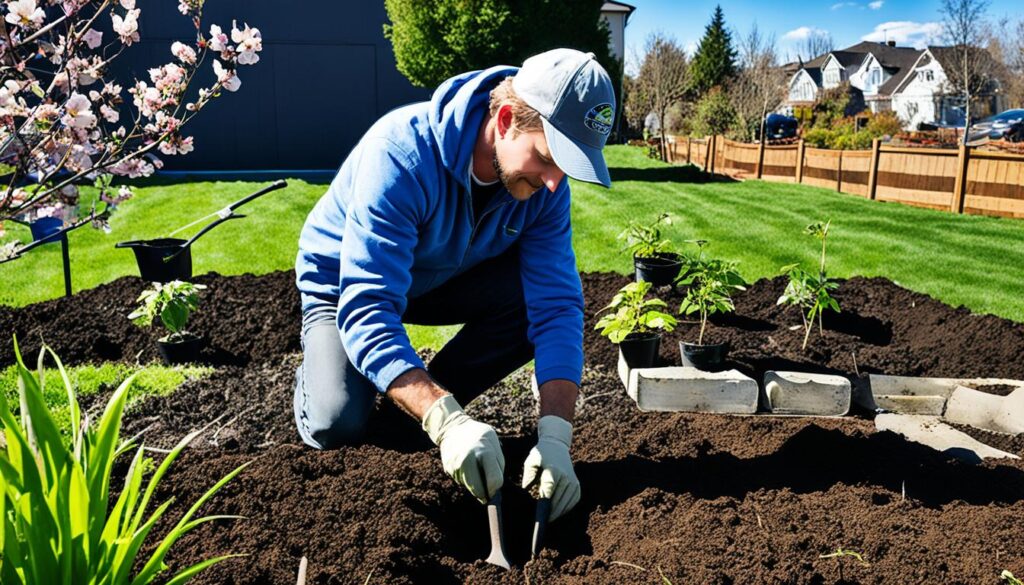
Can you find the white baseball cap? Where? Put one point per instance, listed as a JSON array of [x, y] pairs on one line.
[[576, 102]]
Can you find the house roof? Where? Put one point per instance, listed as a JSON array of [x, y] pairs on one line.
[[897, 61], [613, 6]]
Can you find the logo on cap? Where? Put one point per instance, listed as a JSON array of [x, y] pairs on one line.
[[599, 118]]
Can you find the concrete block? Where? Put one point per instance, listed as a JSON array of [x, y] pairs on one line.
[[931, 431], [802, 393], [883, 388], [1001, 414], [922, 405], [681, 389]]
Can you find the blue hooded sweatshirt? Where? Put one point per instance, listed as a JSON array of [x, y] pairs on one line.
[[397, 221]]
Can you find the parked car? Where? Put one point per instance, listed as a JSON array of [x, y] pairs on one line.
[[1008, 125], [777, 126]]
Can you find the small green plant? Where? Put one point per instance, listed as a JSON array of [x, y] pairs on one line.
[[810, 293], [1009, 578], [710, 283], [631, 312], [59, 525], [643, 240], [173, 302]]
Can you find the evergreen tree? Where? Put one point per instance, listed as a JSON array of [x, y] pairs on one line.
[[715, 61]]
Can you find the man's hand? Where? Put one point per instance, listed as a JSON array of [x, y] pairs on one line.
[[549, 464], [470, 451]]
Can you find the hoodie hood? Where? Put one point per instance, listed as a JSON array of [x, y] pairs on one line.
[[458, 106]]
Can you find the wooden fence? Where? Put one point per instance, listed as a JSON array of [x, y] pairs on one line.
[[965, 180]]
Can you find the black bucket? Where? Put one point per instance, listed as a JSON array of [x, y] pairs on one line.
[[150, 256], [659, 270], [640, 350], [710, 358], [45, 227], [180, 352]]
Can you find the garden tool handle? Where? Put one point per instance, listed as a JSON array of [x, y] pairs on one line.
[[192, 240], [497, 556], [272, 187]]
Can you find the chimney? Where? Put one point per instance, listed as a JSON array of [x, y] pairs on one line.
[[891, 43]]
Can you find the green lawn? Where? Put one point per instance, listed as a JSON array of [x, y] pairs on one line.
[[152, 380], [969, 260]]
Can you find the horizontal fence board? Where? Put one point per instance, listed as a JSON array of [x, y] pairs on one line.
[[976, 205], [931, 199]]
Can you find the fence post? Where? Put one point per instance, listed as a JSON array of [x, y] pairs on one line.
[[839, 174], [688, 144], [708, 145], [876, 146], [963, 160], [760, 157], [800, 161]]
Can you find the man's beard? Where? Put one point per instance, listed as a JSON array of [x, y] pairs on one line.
[[513, 182]]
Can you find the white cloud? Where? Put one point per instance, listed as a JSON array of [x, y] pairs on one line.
[[804, 32], [877, 4], [906, 33], [839, 5]]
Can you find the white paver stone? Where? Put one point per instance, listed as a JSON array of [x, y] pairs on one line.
[[681, 389], [803, 393], [1001, 414], [931, 431], [919, 405]]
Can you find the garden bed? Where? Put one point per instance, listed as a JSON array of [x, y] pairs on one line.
[[700, 498]]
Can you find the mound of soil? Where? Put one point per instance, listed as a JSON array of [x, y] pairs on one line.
[[687, 498]]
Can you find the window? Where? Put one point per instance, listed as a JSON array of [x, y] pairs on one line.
[[926, 74], [875, 78]]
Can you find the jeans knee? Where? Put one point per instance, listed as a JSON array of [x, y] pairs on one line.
[[338, 431], [329, 418]]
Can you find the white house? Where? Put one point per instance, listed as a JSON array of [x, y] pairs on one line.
[[616, 14], [908, 81]]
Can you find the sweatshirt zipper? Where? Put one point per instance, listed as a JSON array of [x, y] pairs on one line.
[[476, 224]]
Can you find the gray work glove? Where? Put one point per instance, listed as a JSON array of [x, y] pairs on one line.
[[470, 451], [550, 464]]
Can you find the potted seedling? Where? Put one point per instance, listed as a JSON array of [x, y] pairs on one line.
[[710, 283], [653, 258], [636, 323], [173, 302], [808, 292]]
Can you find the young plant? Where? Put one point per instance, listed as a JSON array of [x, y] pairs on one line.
[[810, 293], [644, 240], [58, 524], [631, 312], [710, 283], [839, 554], [173, 302], [1009, 578]]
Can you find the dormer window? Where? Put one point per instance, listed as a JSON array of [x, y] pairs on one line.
[[875, 77], [926, 74]]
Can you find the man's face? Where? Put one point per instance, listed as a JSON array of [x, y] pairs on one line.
[[524, 163]]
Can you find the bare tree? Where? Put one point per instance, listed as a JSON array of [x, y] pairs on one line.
[[760, 85], [1005, 42], [660, 82], [970, 70], [816, 44]]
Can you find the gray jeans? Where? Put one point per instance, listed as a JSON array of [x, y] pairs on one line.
[[333, 401]]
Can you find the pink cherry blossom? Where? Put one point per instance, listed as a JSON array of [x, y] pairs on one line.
[[249, 42], [218, 40], [127, 27], [93, 38], [78, 112], [184, 53], [25, 13], [226, 77]]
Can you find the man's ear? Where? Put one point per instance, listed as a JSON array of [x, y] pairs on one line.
[[504, 119]]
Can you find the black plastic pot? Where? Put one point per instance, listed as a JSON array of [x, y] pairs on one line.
[[46, 226], [640, 350], [150, 256], [659, 270], [180, 352], [710, 358]]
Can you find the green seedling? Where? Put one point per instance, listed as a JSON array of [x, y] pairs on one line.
[[174, 302], [710, 283], [1009, 578], [631, 312], [810, 293], [644, 240]]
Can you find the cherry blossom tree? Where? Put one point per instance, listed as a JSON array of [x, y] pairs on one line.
[[65, 121]]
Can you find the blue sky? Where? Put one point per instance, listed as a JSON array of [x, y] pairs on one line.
[[909, 22]]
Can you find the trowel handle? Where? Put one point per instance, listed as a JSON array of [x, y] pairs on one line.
[[272, 187]]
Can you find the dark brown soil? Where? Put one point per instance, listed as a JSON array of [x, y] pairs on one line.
[[997, 389], [696, 498]]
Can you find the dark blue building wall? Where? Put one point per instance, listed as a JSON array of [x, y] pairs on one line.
[[325, 74]]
